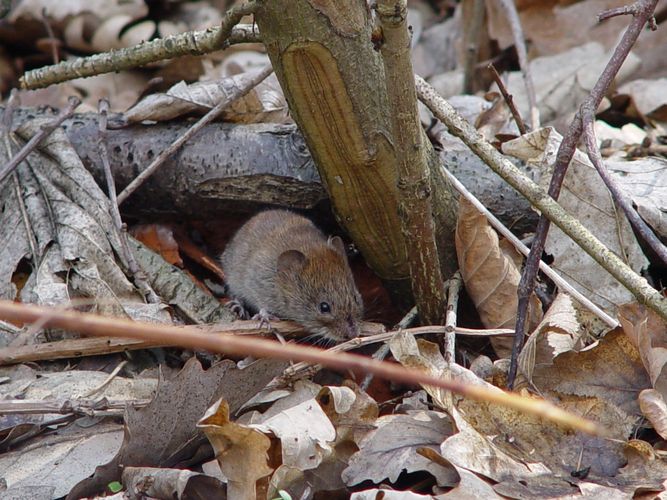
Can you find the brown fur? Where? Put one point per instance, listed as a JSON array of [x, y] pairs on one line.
[[314, 270]]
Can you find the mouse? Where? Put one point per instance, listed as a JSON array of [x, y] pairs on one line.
[[280, 265]]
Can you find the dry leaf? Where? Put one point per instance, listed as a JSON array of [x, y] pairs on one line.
[[556, 26], [160, 239], [304, 430], [564, 80], [558, 332], [645, 181], [610, 369], [490, 277], [260, 104], [654, 408], [59, 11], [61, 460], [648, 332], [648, 97], [70, 220], [471, 450], [585, 197], [391, 447], [164, 433], [241, 451], [143, 482]]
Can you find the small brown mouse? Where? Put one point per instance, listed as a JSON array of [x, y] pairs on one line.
[[280, 264]]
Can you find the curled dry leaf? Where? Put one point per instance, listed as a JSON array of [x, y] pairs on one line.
[[648, 333], [490, 276], [558, 332], [654, 408], [304, 430], [352, 413], [241, 451], [263, 103], [164, 433]]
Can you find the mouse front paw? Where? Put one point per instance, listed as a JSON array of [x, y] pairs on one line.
[[264, 317], [236, 306]]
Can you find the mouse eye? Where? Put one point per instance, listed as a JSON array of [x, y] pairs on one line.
[[325, 307]]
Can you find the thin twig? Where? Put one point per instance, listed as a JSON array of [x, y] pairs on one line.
[[201, 123], [471, 45], [91, 324], [644, 11], [607, 259], [519, 43], [183, 44], [382, 352], [508, 99], [44, 132], [138, 276], [67, 407], [301, 370], [106, 382], [621, 198], [453, 289], [52, 37], [618, 11], [518, 244]]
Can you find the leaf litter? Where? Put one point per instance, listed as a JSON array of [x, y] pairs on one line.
[[309, 438]]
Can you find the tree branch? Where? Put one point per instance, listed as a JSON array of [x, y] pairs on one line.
[[643, 10], [414, 185], [191, 43], [540, 199]]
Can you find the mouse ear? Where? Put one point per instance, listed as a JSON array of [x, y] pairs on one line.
[[337, 243], [291, 260]]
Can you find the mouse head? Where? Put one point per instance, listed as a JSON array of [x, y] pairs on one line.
[[319, 291]]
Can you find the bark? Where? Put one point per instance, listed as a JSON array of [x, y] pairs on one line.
[[411, 149], [333, 80]]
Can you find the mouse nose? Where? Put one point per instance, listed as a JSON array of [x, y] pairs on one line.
[[352, 328]]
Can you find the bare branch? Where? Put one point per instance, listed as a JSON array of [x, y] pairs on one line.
[[550, 208], [190, 43], [414, 183], [644, 11]]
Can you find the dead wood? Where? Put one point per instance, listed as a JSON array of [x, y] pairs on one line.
[[240, 168]]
